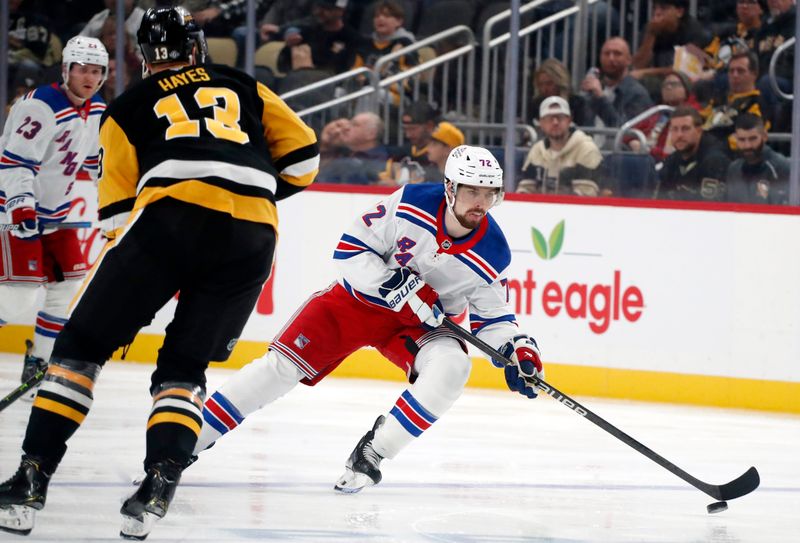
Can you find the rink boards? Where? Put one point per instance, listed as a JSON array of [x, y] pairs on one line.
[[638, 300]]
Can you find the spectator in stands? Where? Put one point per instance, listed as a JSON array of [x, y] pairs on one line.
[[220, 17], [419, 121], [565, 161], [388, 36], [552, 78], [779, 27], [133, 18], [697, 168], [670, 26], [444, 139], [739, 36], [366, 156], [743, 97], [615, 96], [133, 64], [760, 175], [333, 43], [331, 141], [279, 13], [28, 47], [410, 163], [676, 91]]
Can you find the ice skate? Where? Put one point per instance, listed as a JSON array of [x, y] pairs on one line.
[[22, 495], [30, 366], [363, 466], [151, 501]]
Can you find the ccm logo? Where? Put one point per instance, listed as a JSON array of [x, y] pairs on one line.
[[560, 397], [402, 294]]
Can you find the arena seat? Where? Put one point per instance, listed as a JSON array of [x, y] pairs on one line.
[[222, 50]]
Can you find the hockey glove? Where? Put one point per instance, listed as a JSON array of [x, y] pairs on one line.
[[526, 362], [406, 293], [25, 219]]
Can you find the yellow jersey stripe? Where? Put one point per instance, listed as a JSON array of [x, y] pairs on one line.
[[59, 409], [283, 129], [248, 208], [119, 167], [174, 418]]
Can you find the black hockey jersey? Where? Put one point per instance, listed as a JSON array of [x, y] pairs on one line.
[[207, 135]]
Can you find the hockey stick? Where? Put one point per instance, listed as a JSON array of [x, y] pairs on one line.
[[7, 227], [744, 484], [27, 385]]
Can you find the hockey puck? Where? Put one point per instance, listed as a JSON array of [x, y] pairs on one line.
[[716, 507]]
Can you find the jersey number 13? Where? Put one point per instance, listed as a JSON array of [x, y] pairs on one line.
[[224, 125]]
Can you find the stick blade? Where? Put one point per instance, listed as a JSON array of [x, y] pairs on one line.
[[742, 485]]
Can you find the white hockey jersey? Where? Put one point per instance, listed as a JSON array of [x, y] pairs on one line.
[[45, 142], [407, 229]]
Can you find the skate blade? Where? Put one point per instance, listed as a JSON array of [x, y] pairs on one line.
[[137, 528], [17, 519], [352, 482]]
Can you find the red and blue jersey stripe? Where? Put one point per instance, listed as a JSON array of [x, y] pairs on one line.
[[49, 325], [350, 246], [411, 415], [221, 414], [10, 160]]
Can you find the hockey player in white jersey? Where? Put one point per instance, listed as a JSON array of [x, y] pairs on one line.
[[426, 251], [50, 133]]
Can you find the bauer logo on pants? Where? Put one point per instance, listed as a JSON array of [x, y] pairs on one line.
[[232, 343]]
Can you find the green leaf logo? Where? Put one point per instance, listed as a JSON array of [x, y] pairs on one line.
[[539, 243], [545, 250]]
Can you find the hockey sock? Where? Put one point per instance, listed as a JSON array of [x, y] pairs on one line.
[[51, 318], [174, 422], [62, 403], [443, 371], [257, 384], [47, 329]]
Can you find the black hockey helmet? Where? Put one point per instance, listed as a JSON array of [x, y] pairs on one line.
[[168, 34]]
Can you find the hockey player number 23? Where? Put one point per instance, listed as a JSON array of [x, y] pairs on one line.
[[224, 125]]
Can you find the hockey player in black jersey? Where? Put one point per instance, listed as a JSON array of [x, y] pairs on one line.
[[193, 159]]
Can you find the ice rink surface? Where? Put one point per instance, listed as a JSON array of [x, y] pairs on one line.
[[496, 468]]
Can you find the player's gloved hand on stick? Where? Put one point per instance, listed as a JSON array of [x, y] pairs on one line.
[[405, 292], [523, 351], [25, 219]]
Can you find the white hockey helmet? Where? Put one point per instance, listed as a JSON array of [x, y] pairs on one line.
[[474, 166], [84, 50]]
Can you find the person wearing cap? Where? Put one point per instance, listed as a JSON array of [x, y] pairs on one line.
[[419, 120], [444, 139], [551, 78], [566, 160]]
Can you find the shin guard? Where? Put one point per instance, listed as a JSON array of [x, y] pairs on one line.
[[174, 423]]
